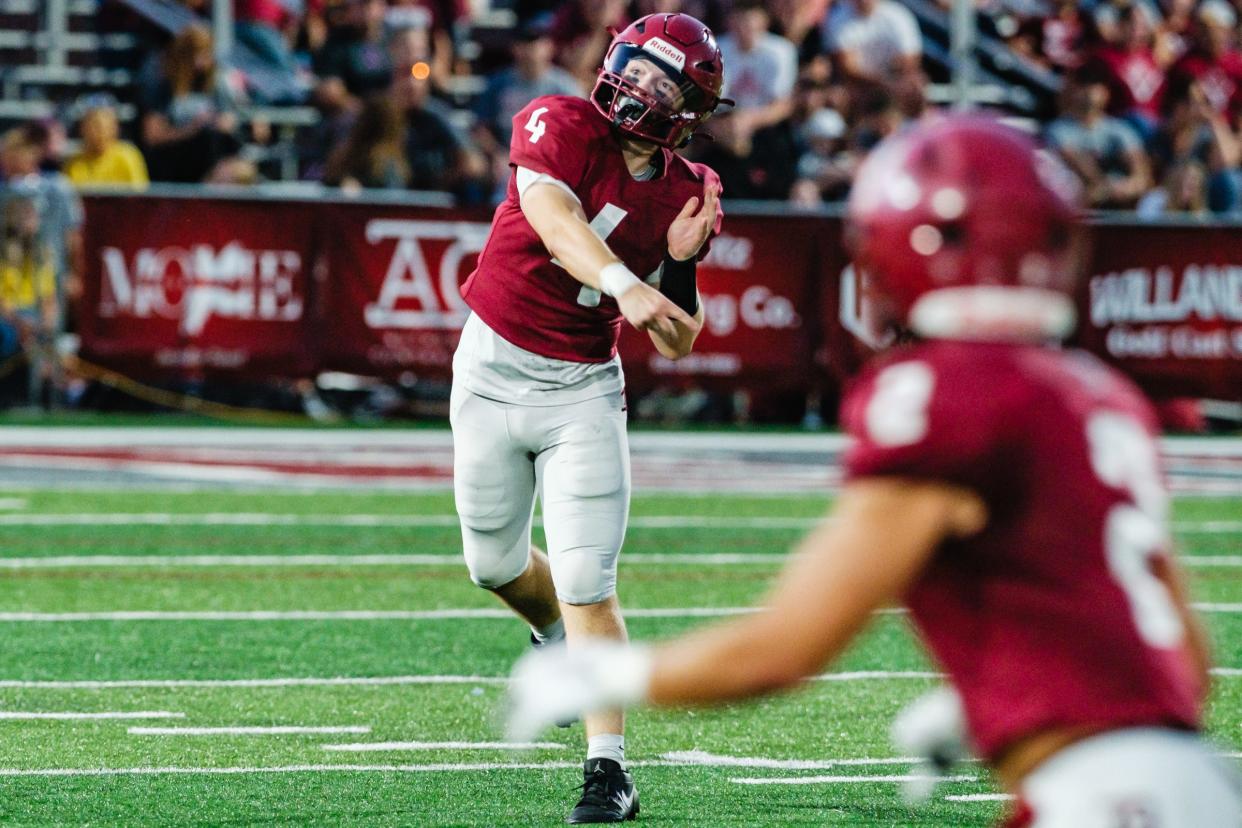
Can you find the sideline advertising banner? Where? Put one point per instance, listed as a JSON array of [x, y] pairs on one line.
[[1165, 305], [188, 287], [184, 288]]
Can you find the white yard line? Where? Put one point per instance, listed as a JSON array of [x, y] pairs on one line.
[[373, 681], [878, 675], [672, 522], [1211, 561], [990, 797], [682, 759], [337, 615], [245, 770], [380, 747], [715, 760], [847, 780], [24, 715], [366, 520], [210, 561], [361, 681], [222, 519], [346, 615], [277, 730], [443, 767], [320, 560], [339, 681]]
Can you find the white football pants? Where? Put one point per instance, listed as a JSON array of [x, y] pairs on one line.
[[1135, 778], [576, 457]]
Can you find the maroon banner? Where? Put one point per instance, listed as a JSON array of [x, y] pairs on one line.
[[191, 287], [760, 320], [391, 301], [1165, 305]]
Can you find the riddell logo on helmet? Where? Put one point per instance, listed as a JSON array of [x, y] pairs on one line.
[[666, 51]]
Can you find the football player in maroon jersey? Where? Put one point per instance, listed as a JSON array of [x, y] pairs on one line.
[[603, 222], [1009, 493]]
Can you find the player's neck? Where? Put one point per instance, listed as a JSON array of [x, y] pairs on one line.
[[639, 155]]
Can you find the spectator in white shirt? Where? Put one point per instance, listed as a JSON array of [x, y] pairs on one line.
[[760, 78], [873, 40]]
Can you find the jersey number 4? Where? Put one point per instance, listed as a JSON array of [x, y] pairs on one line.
[[605, 221], [535, 126]]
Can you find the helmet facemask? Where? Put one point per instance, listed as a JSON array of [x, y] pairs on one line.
[[666, 116]]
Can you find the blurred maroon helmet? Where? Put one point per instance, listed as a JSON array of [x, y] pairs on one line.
[[685, 51], [962, 228]]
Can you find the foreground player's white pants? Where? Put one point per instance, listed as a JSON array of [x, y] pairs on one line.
[[575, 456], [1148, 777]]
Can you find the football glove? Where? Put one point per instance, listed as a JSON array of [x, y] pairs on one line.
[[556, 683], [933, 728]]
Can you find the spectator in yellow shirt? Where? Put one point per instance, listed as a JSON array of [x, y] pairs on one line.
[[105, 160], [29, 308]]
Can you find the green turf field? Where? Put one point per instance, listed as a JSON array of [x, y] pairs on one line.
[[261, 610]]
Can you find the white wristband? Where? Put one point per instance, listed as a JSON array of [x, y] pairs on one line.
[[615, 279], [628, 676]]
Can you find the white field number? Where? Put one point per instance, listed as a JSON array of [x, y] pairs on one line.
[[535, 125], [1123, 456]]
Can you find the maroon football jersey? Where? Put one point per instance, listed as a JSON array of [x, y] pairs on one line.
[[517, 289], [1050, 616]]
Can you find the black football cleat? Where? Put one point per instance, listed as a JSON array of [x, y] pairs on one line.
[[536, 644], [608, 794]]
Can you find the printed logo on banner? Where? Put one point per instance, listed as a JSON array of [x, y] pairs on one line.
[[730, 253], [758, 307], [854, 313], [411, 297], [1149, 314], [194, 284]]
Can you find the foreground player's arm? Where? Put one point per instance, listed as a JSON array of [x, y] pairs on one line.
[[557, 217], [878, 540], [1166, 568]]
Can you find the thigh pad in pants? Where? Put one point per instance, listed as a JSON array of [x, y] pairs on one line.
[[494, 490], [584, 486]]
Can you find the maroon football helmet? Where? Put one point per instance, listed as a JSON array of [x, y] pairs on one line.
[[962, 229], [685, 51]]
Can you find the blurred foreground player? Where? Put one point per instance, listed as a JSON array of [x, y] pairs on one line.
[[603, 222], [1008, 492]]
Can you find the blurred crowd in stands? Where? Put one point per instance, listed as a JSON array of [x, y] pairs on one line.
[[419, 95]]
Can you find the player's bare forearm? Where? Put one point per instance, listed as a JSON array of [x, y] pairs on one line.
[[825, 596], [563, 228], [683, 343], [1197, 642]]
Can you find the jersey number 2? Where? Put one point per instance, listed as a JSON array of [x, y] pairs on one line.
[[1123, 456]]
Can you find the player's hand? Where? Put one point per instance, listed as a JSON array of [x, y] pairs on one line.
[[693, 225], [933, 728], [646, 308], [555, 684]]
